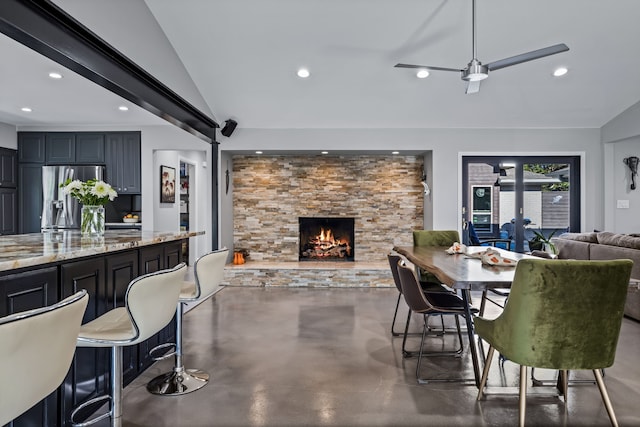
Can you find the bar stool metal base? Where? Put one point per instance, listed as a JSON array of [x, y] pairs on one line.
[[178, 382]]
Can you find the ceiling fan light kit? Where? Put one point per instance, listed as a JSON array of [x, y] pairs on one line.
[[475, 71]]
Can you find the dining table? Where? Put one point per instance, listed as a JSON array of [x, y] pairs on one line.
[[465, 272]]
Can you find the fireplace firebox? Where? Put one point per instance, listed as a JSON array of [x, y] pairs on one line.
[[326, 239]]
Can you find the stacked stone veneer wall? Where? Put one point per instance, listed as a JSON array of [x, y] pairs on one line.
[[382, 193]]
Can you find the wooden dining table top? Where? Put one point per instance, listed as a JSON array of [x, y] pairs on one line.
[[461, 271]]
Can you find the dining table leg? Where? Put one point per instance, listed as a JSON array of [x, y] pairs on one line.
[[466, 298]]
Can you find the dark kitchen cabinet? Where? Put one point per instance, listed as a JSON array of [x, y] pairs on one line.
[[8, 211], [8, 191], [31, 147], [122, 157], [29, 197], [90, 148], [8, 168], [60, 148], [28, 290]]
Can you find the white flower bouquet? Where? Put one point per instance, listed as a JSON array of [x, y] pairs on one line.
[[93, 194]]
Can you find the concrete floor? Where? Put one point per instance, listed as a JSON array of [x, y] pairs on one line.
[[325, 357]]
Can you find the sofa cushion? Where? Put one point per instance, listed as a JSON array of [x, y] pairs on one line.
[[614, 239], [618, 252], [581, 237], [571, 249]]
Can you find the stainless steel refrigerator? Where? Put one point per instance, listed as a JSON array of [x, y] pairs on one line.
[[60, 211]]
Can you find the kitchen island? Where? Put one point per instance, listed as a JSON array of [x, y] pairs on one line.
[[40, 269]]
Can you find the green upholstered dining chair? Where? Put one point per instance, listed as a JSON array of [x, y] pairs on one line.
[[561, 315]]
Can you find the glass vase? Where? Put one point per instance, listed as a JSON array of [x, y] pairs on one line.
[[92, 221]]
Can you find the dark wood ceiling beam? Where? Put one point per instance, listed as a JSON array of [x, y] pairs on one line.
[[47, 29]]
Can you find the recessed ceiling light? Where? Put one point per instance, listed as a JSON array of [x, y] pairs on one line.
[[324, 152], [55, 75], [422, 74], [258, 152], [560, 71], [26, 109], [123, 108], [304, 73], [395, 152]]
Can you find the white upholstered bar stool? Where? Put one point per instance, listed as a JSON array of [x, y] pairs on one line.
[[150, 303], [25, 339], [208, 272]]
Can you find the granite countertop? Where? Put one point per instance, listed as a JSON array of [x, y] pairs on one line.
[[25, 250]]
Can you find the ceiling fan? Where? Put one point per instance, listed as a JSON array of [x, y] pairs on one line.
[[475, 71]]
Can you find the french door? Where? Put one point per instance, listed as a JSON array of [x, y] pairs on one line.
[[515, 197]]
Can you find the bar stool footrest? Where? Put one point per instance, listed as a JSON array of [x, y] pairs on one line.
[[160, 347], [91, 421]]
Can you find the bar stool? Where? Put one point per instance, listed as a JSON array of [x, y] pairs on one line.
[[150, 301], [25, 338], [209, 272]]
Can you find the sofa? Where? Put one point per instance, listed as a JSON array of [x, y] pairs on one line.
[[602, 246]]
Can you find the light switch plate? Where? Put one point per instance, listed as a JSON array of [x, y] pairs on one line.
[[623, 204]]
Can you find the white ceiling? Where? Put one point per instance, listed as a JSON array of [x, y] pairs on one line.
[[243, 56], [72, 100]]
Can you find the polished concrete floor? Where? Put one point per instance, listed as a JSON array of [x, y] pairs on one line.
[[325, 357]]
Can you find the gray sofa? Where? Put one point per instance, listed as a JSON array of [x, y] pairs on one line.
[[605, 245]]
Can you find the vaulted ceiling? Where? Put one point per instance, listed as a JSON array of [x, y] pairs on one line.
[[243, 56]]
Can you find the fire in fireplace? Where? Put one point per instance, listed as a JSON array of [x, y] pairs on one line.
[[326, 239]]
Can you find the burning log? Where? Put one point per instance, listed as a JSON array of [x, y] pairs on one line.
[[325, 245]]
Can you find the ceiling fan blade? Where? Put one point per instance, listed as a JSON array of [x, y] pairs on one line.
[[427, 67], [473, 86], [529, 56]]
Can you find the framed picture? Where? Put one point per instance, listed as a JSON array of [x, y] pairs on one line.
[[167, 184]]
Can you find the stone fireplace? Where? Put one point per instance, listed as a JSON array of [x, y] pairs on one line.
[[326, 239], [382, 194]]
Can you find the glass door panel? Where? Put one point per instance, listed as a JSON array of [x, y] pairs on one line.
[[547, 200], [517, 197]]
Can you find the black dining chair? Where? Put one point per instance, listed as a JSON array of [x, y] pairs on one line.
[[426, 286], [427, 304]]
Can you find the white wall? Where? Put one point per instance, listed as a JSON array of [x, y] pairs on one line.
[[225, 202], [446, 146], [8, 136], [621, 139]]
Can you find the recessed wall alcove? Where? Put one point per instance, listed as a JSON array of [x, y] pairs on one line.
[[383, 195]]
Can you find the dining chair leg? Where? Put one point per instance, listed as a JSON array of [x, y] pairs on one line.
[[483, 303], [424, 334], [523, 395], [461, 348], [605, 397], [406, 353], [395, 313], [485, 372], [564, 383]]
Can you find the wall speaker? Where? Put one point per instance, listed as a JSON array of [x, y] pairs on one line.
[[229, 127]]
